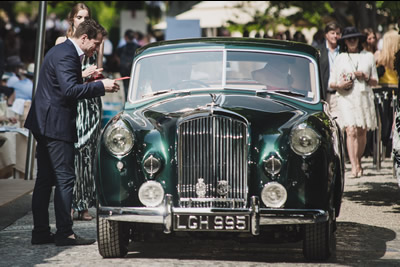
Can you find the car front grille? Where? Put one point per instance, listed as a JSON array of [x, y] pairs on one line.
[[212, 162]]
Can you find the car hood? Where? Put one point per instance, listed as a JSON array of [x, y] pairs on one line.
[[264, 113]]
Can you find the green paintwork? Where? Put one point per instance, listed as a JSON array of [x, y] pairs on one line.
[[270, 119]]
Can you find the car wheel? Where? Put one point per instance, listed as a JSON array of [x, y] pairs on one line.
[[317, 241], [112, 238]]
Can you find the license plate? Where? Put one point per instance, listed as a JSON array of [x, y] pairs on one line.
[[229, 223]]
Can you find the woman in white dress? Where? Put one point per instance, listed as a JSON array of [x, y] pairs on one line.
[[353, 74]]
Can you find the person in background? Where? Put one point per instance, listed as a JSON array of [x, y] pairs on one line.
[[371, 44], [352, 75], [88, 122], [318, 38], [126, 53], [299, 37], [329, 51], [24, 87], [52, 120], [14, 67], [5, 91], [385, 59], [388, 80], [396, 126]]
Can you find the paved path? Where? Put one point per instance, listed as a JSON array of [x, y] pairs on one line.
[[368, 235]]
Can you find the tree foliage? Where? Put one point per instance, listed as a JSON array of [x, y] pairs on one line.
[[362, 14]]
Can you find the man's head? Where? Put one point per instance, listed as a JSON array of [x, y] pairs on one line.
[[332, 33], [129, 36], [89, 36]]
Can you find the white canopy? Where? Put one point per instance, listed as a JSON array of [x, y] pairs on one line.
[[215, 14]]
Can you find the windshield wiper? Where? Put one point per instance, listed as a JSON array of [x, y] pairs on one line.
[[161, 92], [177, 93], [288, 92]]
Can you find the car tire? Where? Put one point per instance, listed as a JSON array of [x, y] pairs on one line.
[[111, 238], [317, 241]]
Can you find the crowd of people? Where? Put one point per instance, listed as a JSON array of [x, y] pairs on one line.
[[66, 130]]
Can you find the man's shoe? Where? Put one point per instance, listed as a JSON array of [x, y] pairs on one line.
[[76, 241], [40, 239]]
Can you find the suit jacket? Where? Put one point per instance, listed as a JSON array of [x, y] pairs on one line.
[[324, 66], [54, 107]]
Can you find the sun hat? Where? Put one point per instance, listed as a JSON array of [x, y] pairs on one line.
[[351, 32]]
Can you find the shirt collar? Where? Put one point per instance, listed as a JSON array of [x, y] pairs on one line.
[[335, 50], [78, 49]]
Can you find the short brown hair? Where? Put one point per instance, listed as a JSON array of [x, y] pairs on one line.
[[332, 26], [91, 28]]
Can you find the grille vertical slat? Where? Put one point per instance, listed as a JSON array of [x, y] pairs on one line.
[[212, 148]]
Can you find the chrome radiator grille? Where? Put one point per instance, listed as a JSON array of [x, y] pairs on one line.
[[212, 162]]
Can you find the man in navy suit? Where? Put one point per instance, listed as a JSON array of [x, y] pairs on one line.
[[52, 121]]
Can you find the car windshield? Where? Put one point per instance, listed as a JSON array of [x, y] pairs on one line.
[[289, 75]]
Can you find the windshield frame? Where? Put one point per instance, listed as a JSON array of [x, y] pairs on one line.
[[225, 51]]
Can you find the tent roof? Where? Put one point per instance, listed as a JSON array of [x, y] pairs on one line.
[[215, 14]]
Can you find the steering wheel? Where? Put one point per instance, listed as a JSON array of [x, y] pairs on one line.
[[187, 83]]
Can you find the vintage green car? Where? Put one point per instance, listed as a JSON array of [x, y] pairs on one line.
[[226, 136]]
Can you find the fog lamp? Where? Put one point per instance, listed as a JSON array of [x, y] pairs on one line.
[[151, 194], [274, 195]]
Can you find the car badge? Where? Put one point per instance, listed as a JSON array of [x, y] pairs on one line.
[[223, 188], [201, 188]]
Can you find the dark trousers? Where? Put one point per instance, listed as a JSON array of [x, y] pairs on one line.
[[55, 163]]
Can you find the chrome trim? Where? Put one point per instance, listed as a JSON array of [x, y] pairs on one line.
[[212, 148], [292, 216], [120, 123], [255, 218], [258, 216], [167, 220]]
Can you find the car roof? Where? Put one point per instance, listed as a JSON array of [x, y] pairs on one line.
[[228, 43]]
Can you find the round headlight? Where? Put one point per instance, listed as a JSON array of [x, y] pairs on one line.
[[304, 141], [274, 195], [272, 165], [118, 139], [151, 194], [152, 165]]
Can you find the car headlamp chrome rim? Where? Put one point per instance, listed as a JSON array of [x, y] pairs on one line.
[[118, 139], [274, 195], [304, 140], [152, 165], [151, 194]]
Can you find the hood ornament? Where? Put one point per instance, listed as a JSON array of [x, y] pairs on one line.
[[201, 188], [213, 103]]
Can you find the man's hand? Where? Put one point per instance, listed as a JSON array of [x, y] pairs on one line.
[[91, 70], [111, 86]]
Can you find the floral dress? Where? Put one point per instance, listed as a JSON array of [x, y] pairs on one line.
[[88, 124]]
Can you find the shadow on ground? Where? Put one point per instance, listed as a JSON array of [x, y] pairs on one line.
[[376, 194], [357, 245]]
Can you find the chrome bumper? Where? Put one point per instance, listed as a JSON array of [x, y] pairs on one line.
[[258, 216]]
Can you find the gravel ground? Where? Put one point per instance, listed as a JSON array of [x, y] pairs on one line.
[[368, 234]]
